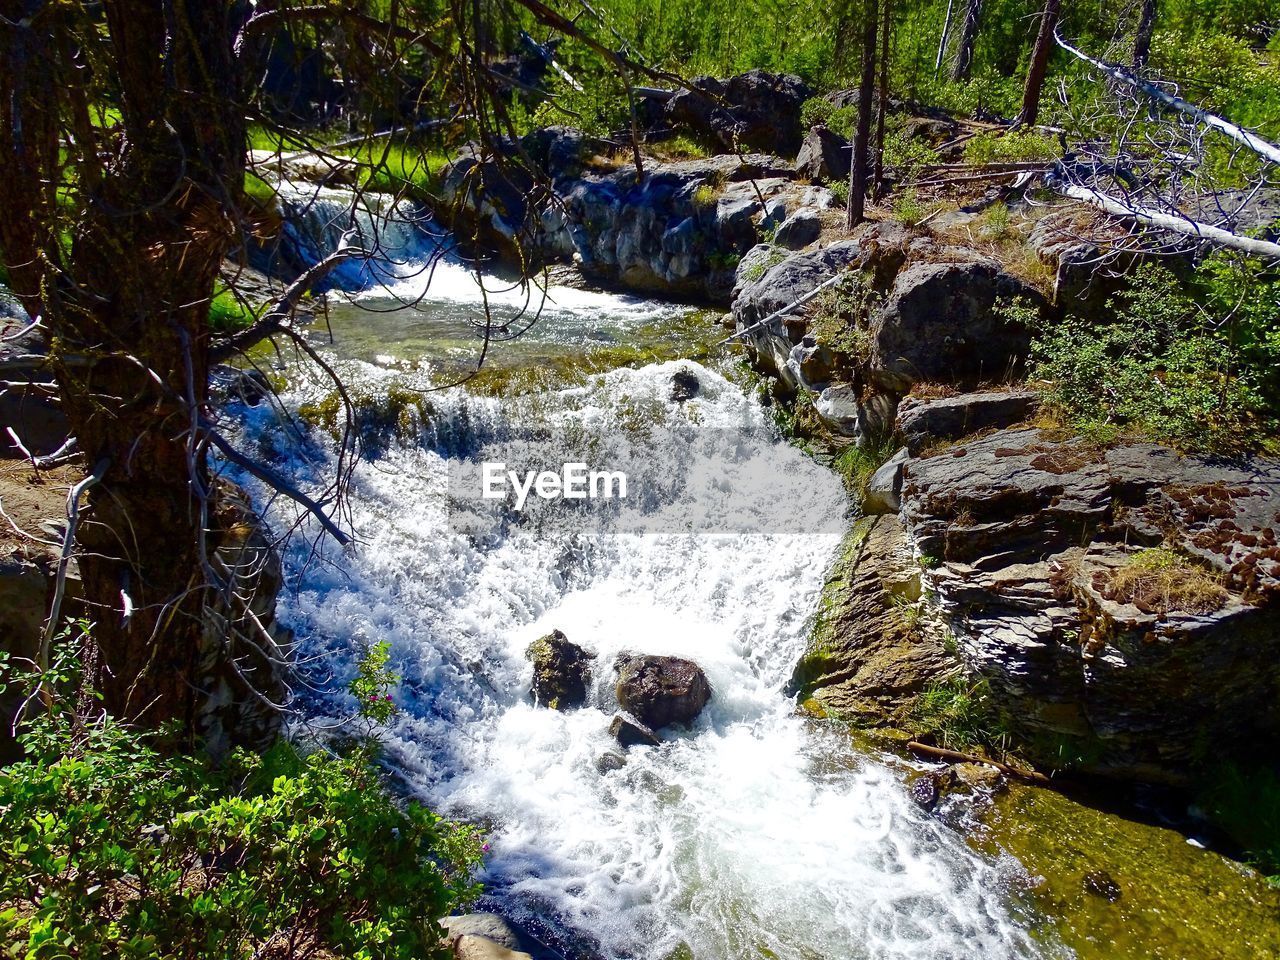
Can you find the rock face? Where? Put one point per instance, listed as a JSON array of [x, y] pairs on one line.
[[799, 230], [561, 671], [1029, 543], [659, 691], [754, 110], [869, 656], [630, 732], [911, 308], [679, 229], [824, 157], [927, 421]]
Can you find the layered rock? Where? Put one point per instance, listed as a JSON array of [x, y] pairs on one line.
[[870, 653], [1028, 543]]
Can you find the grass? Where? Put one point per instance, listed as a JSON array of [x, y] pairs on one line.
[[960, 715], [228, 313], [857, 463], [1161, 581]]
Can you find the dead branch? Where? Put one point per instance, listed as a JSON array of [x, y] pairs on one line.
[[955, 756], [1263, 148]]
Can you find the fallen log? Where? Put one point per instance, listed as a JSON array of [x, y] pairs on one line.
[[1164, 221], [955, 756]]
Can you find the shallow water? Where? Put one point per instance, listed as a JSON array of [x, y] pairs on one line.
[[753, 834]]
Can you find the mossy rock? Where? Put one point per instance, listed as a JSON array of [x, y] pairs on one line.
[[561, 671]]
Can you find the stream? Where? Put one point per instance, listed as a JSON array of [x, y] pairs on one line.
[[757, 832]]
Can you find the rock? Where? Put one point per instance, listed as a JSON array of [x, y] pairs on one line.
[[490, 926], [978, 777], [924, 421], [1023, 537], [932, 130], [561, 671], [754, 110], [612, 760], [630, 732], [925, 791], [1100, 884], [866, 417], [659, 691], [866, 660], [471, 947], [824, 157], [37, 420], [230, 384], [940, 324], [799, 230], [812, 364], [684, 386], [884, 490]]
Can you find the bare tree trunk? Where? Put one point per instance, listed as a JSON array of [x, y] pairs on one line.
[[856, 211], [882, 98], [1039, 65], [968, 39], [1142, 37], [942, 41]]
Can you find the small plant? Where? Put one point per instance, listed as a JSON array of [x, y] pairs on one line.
[[704, 197], [1013, 147], [1160, 580], [995, 223], [111, 848], [758, 268], [840, 192], [373, 683], [857, 463], [960, 714]]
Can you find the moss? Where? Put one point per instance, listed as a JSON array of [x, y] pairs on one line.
[[1176, 900]]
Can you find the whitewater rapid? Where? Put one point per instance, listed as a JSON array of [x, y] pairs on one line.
[[754, 834]]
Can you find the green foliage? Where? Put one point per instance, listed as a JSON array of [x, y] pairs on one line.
[[1178, 363], [819, 110], [229, 313], [960, 715], [841, 315], [840, 192], [373, 683], [906, 155], [857, 463], [111, 849], [1013, 147]]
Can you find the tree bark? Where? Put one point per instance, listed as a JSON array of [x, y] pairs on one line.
[[968, 39], [1142, 36], [856, 210], [1039, 65], [942, 40], [882, 98], [146, 255]]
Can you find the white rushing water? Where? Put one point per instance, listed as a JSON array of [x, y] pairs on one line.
[[755, 833]]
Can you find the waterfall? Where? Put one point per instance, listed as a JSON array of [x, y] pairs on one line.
[[756, 833]]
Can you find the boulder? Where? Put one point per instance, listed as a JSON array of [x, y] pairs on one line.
[[884, 489], [799, 230], [941, 323], [684, 386], [754, 110], [561, 671], [812, 364], [498, 938], [659, 691], [630, 732], [824, 157], [37, 420], [470, 947], [1027, 540], [864, 416], [869, 655], [924, 421]]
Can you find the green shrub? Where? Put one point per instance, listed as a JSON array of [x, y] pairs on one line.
[[960, 715], [1170, 363], [1013, 147], [111, 849], [857, 463]]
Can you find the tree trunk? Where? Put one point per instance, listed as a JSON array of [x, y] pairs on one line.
[[882, 98], [968, 39], [1039, 64], [942, 40], [1142, 36], [855, 212], [146, 254]]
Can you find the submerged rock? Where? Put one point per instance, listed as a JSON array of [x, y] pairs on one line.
[[1100, 884], [684, 385], [630, 732], [659, 691], [561, 671]]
